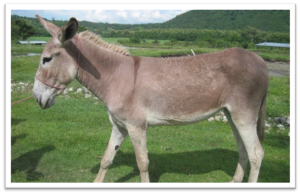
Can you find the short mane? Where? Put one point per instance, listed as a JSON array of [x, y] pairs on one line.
[[94, 38]]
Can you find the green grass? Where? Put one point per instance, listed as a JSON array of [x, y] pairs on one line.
[[64, 143], [19, 50], [158, 53], [24, 68], [278, 101], [162, 49], [39, 38], [115, 40]]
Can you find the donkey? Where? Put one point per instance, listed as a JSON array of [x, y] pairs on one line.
[[140, 92]]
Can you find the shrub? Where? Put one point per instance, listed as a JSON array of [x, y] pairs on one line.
[[134, 39]]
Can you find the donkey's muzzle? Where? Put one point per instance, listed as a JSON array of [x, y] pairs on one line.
[[44, 101]]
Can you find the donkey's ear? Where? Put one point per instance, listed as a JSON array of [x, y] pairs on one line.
[[68, 31], [51, 28]]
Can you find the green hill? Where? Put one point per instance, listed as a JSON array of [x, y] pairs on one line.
[[265, 20]]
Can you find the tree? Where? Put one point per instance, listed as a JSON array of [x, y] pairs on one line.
[[134, 39], [15, 29], [20, 29], [82, 28], [249, 34]]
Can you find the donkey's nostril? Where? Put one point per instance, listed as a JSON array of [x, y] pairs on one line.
[[46, 105], [46, 60]]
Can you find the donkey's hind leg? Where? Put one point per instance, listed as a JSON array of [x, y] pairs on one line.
[[245, 123], [243, 157], [138, 136], [116, 139]]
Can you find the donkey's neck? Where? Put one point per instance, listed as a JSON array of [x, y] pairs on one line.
[[99, 69]]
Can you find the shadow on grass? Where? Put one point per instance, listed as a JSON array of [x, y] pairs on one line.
[[14, 138], [29, 161], [16, 121], [197, 162], [277, 140]]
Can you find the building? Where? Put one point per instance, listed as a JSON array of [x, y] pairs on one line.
[[34, 42], [274, 44]]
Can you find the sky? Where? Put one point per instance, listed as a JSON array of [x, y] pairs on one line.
[[109, 16]]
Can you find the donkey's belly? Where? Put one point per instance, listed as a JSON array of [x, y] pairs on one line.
[[154, 118]]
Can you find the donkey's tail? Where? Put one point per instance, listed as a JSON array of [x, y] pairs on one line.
[[261, 119]]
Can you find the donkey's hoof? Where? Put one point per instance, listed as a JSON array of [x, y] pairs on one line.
[[233, 181]]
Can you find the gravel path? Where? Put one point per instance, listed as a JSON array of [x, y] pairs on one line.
[[279, 69]]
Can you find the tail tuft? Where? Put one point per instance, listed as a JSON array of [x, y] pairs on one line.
[[261, 119]]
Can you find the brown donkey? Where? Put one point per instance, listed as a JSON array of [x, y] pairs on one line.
[[140, 92]]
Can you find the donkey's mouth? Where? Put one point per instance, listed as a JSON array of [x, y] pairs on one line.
[[49, 102], [46, 105], [44, 102]]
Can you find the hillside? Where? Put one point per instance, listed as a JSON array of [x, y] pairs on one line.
[[266, 20], [84, 25]]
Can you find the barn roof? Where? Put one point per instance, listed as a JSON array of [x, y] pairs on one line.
[[33, 42], [274, 44]]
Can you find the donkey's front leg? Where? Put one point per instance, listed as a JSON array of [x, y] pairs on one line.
[[139, 140], [116, 139]]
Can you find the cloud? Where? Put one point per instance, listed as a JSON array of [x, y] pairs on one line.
[[122, 14], [128, 16], [109, 16]]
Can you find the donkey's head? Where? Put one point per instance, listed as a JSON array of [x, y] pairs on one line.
[[58, 63]]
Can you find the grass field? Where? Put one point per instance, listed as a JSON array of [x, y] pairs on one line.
[[64, 143], [39, 38], [160, 49]]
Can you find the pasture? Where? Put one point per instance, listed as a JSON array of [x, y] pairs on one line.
[[65, 143], [163, 48]]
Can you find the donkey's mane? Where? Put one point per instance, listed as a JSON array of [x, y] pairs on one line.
[[94, 38]]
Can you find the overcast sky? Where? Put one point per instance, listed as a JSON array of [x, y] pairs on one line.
[[109, 16]]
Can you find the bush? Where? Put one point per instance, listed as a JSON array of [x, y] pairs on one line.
[[122, 41], [244, 45], [155, 41], [134, 39]]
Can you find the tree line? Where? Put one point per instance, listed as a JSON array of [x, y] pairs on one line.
[[22, 29], [248, 35]]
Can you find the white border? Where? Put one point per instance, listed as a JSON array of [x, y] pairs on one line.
[[293, 96], [193, 6], [8, 100], [150, 185], [149, 6]]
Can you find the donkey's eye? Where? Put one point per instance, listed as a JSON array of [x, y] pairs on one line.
[[46, 60]]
